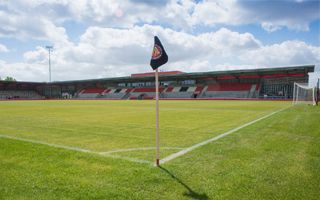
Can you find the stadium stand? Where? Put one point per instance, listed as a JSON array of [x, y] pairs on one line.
[[19, 94], [266, 83], [230, 90], [90, 92], [144, 93], [178, 92], [118, 93], [140, 93]]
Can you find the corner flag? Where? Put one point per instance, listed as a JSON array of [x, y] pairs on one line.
[[159, 55], [158, 58]]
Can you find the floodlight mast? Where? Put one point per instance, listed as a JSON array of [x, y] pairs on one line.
[[49, 50]]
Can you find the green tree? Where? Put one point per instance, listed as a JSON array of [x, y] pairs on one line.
[[8, 78]]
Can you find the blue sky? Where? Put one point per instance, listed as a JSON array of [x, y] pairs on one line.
[[96, 38]]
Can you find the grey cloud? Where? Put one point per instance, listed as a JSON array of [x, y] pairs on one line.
[[284, 13], [280, 9]]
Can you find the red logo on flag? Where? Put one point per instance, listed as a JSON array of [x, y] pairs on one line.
[[157, 52]]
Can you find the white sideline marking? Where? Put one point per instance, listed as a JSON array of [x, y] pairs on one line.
[[75, 149], [48, 144], [186, 150], [136, 160]]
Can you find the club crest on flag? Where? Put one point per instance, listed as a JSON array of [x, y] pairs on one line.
[[157, 52]]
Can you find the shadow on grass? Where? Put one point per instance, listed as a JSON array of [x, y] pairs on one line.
[[191, 193]]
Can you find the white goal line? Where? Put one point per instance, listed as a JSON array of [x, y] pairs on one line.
[[76, 149]]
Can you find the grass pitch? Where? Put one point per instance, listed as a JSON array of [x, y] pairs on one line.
[[276, 158]]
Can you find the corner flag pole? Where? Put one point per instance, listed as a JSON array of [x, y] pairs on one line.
[[318, 91], [157, 119], [159, 57]]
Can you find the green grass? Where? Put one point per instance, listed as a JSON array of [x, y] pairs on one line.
[[110, 125], [276, 158]]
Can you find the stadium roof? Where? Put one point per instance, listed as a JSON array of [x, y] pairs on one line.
[[153, 73], [305, 69]]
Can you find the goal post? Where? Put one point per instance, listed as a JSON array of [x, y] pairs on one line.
[[303, 93]]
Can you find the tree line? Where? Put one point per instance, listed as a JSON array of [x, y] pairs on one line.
[[8, 78]]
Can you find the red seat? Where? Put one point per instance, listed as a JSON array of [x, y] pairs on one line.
[[229, 87], [93, 90], [199, 89], [142, 90]]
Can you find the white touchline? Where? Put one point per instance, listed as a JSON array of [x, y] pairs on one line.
[[45, 143], [186, 150], [136, 160], [75, 149]]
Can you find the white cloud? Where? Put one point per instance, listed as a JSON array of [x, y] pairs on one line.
[[116, 43], [270, 27], [26, 27], [271, 15], [216, 12], [285, 53], [39, 56], [47, 17], [231, 41], [23, 71], [110, 52], [3, 48]]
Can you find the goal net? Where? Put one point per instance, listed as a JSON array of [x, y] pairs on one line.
[[302, 93]]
